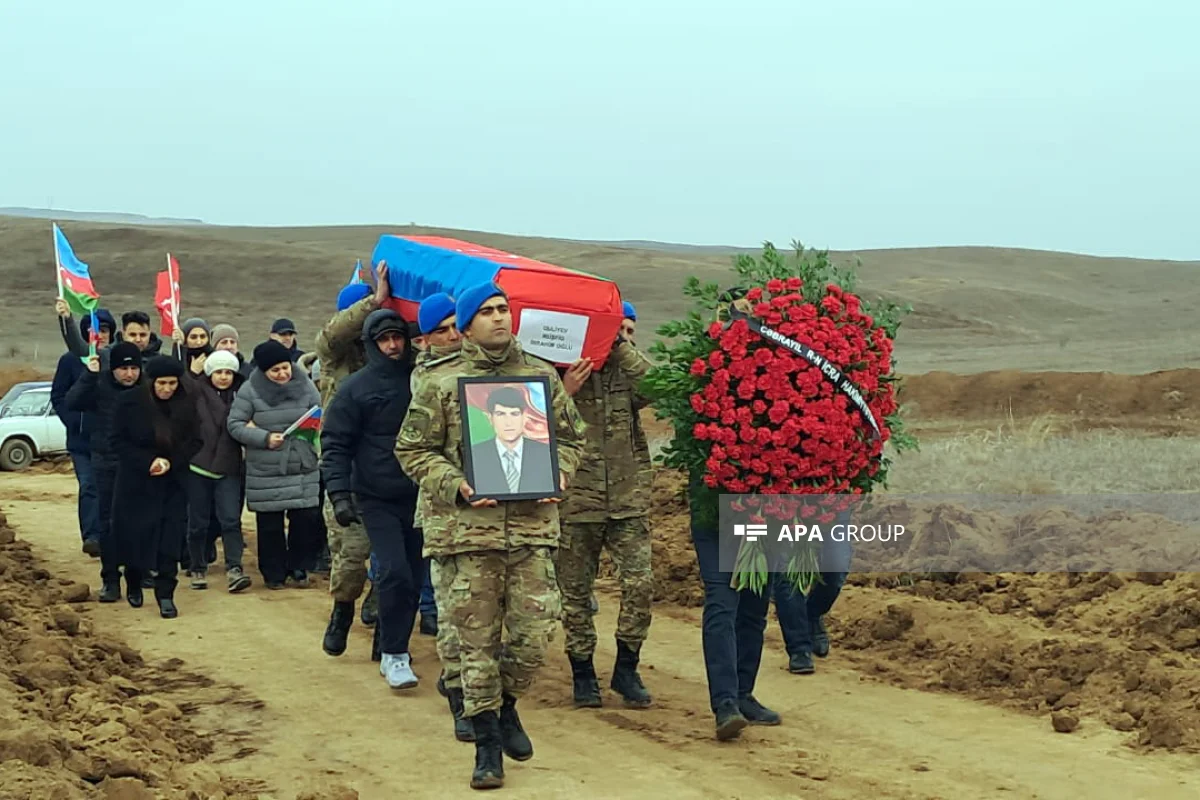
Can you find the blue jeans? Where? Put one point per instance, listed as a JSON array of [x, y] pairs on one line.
[[733, 625], [89, 496], [798, 614]]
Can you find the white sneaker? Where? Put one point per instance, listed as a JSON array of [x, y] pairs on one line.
[[397, 670]]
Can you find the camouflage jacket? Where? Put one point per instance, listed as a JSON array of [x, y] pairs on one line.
[[340, 348], [430, 449], [424, 517], [613, 481]]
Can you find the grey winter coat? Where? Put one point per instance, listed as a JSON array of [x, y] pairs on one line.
[[287, 478]]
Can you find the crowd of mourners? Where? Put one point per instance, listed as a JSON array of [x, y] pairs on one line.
[[172, 440]]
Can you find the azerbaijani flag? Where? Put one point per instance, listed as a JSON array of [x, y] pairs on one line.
[[74, 278], [308, 427]]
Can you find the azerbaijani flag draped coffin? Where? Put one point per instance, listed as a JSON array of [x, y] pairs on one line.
[[559, 314]]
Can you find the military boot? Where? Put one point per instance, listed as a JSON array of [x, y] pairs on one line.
[[489, 756], [625, 679], [463, 730], [338, 629], [512, 736], [586, 687]]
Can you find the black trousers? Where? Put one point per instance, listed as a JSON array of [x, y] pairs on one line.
[[164, 582], [399, 571], [281, 554], [106, 482]]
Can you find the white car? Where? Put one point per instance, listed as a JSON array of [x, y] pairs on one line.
[[29, 428]]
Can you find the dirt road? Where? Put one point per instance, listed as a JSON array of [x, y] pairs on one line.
[[329, 721]]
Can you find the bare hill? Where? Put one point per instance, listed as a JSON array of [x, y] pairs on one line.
[[975, 309]]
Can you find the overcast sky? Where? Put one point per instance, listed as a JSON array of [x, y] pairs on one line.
[[1057, 124]]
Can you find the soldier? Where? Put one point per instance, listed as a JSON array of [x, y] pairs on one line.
[[340, 353], [495, 557], [440, 338], [607, 509]]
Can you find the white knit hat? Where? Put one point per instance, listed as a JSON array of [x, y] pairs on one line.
[[220, 359]]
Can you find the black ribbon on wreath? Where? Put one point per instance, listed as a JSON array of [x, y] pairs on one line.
[[829, 371]]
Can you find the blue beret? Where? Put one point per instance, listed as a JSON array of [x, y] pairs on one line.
[[471, 299], [630, 311], [351, 294], [433, 310]]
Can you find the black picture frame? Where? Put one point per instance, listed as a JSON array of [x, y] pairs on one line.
[[539, 463]]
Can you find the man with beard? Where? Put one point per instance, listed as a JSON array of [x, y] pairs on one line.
[[366, 484], [98, 393], [500, 553], [78, 425]]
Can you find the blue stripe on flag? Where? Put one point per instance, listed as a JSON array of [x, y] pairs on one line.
[[66, 256]]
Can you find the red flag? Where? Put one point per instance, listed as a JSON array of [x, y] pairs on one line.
[[166, 296]]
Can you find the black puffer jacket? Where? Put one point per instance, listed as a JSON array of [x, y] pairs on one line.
[[99, 393], [358, 440]]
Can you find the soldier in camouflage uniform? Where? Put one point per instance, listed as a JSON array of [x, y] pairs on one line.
[[341, 353], [496, 557], [607, 509], [440, 338]]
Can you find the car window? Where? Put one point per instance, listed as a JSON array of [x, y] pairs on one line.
[[29, 404]]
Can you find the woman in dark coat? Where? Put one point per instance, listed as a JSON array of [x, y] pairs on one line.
[[155, 434]]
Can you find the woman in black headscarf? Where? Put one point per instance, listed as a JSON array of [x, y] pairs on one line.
[[155, 433]]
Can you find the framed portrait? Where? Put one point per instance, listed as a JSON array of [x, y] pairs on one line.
[[509, 444]]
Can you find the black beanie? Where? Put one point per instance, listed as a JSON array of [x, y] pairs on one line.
[[124, 354], [164, 367], [270, 353]]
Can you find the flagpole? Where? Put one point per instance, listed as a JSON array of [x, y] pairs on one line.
[[174, 297], [57, 260]]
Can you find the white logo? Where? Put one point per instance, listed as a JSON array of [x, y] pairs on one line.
[[752, 532]]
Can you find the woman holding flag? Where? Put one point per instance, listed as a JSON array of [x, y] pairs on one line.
[[275, 415]]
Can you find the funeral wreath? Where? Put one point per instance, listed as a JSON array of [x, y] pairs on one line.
[[780, 387]]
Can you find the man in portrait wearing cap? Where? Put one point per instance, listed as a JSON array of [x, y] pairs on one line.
[[98, 393], [341, 353], [500, 554], [607, 509]]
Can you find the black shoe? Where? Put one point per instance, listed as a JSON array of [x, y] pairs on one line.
[[300, 578], [512, 736], [625, 679], [429, 625], [148, 582], [338, 629], [91, 547], [167, 609], [274, 585], [756, 713], [370, 608], [730, 721], [376, 652], [134, 596], [820, 637], [464, 731], [489, 754], [585, 686], [110, 592], [801, 664]]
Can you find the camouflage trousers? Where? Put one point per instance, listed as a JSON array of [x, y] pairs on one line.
[[441, 575], [349, 549], [493, 593], [628, 543]]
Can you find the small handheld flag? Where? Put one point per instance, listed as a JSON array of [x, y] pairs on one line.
[[74, 276], [308, 427], [93, 333]]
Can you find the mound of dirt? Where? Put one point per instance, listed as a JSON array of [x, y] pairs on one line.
[[82, 715], [1167, 395]]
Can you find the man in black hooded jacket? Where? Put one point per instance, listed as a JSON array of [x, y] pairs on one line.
[[365, 482], [98, 392]]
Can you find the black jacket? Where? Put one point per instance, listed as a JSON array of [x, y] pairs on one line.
[[76, 343], [219, 452], [149, 512], [99, 393], [78, 423], [358, 437]]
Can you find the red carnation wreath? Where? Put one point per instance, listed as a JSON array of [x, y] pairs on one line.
[[779, 387]]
